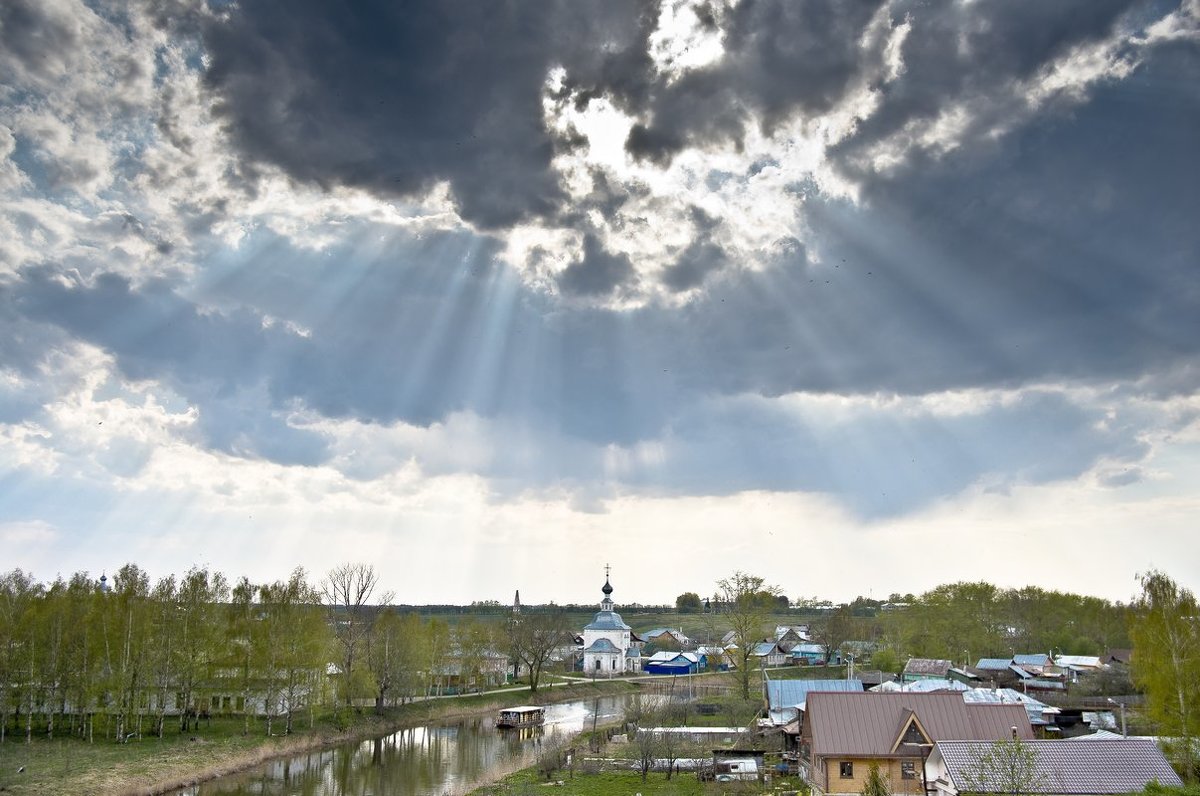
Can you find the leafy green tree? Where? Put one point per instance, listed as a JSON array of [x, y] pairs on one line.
[[876, 784], [1166, 663], [241, 623], [688, 603], [747, 601], [20, 596], [83, 653], [199, 623], [294, 642], [164, 655], [885, 659]]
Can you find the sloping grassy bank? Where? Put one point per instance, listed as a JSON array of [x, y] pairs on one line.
[[150, 765]]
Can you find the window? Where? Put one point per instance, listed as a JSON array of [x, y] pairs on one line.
[[846, 770], [908, 770]]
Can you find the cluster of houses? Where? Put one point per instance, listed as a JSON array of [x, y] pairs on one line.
[[942, 742], [608, 647], [934, 732]]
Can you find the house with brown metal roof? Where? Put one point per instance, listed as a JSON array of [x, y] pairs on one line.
[[842, 734]]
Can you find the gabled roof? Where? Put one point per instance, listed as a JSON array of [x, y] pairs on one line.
[[1034, 659], [791, 693], [1080, 661], [930, 666], [603, 645], [866, 724], [801, 631], [1103, 767], [993, 664], [1039, 712], [766, 648], [911, 724], [934, 684], [666, 656], [808, 649], [665, 631]]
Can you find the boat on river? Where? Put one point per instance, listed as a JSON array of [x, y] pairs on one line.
[[521, 716]]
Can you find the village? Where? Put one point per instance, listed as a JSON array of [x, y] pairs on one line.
[[736, 693], [937, 727]]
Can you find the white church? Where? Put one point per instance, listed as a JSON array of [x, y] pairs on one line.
[[610, 647]]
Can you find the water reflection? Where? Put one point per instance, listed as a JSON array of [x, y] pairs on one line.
[[420, 761]]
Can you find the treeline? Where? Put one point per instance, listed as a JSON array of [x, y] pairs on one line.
[[960, 621], [129, 657]]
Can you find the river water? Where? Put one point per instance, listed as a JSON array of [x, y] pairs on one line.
[[429, 760]]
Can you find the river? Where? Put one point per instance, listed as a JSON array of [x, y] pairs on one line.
[[428, 760]]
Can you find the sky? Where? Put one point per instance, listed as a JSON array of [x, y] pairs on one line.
[[860, 298]]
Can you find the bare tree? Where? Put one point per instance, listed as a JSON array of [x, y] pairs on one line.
[[534, 639], [1004, 768], [347, 590], [747, 601]]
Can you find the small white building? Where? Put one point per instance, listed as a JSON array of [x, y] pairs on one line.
[[610, 647]]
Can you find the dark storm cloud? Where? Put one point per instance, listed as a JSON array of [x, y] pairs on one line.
[[598, 273], [34, 40], [784, 58], [395, 97], [780, 57], [1069, 254]]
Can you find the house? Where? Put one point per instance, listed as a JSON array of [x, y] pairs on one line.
[[769, 654], [925, 669], [993, 665], [1075, 666], [1038, 664], [785, 698], [1040, 714], [667, 662], [842, 734], [998, 671], [717, 658], [788, 637], [808, 654], [1056, 768], [667, 637]]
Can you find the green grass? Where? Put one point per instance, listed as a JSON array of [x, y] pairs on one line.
[[807, 673]]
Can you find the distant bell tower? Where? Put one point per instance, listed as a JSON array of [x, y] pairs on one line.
[[517, 603]]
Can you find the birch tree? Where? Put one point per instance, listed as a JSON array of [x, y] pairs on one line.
[[1166, 663]]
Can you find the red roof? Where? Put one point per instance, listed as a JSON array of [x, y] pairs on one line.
[[869, 725]]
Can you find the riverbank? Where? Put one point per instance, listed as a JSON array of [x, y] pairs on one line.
[[150, 766]]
